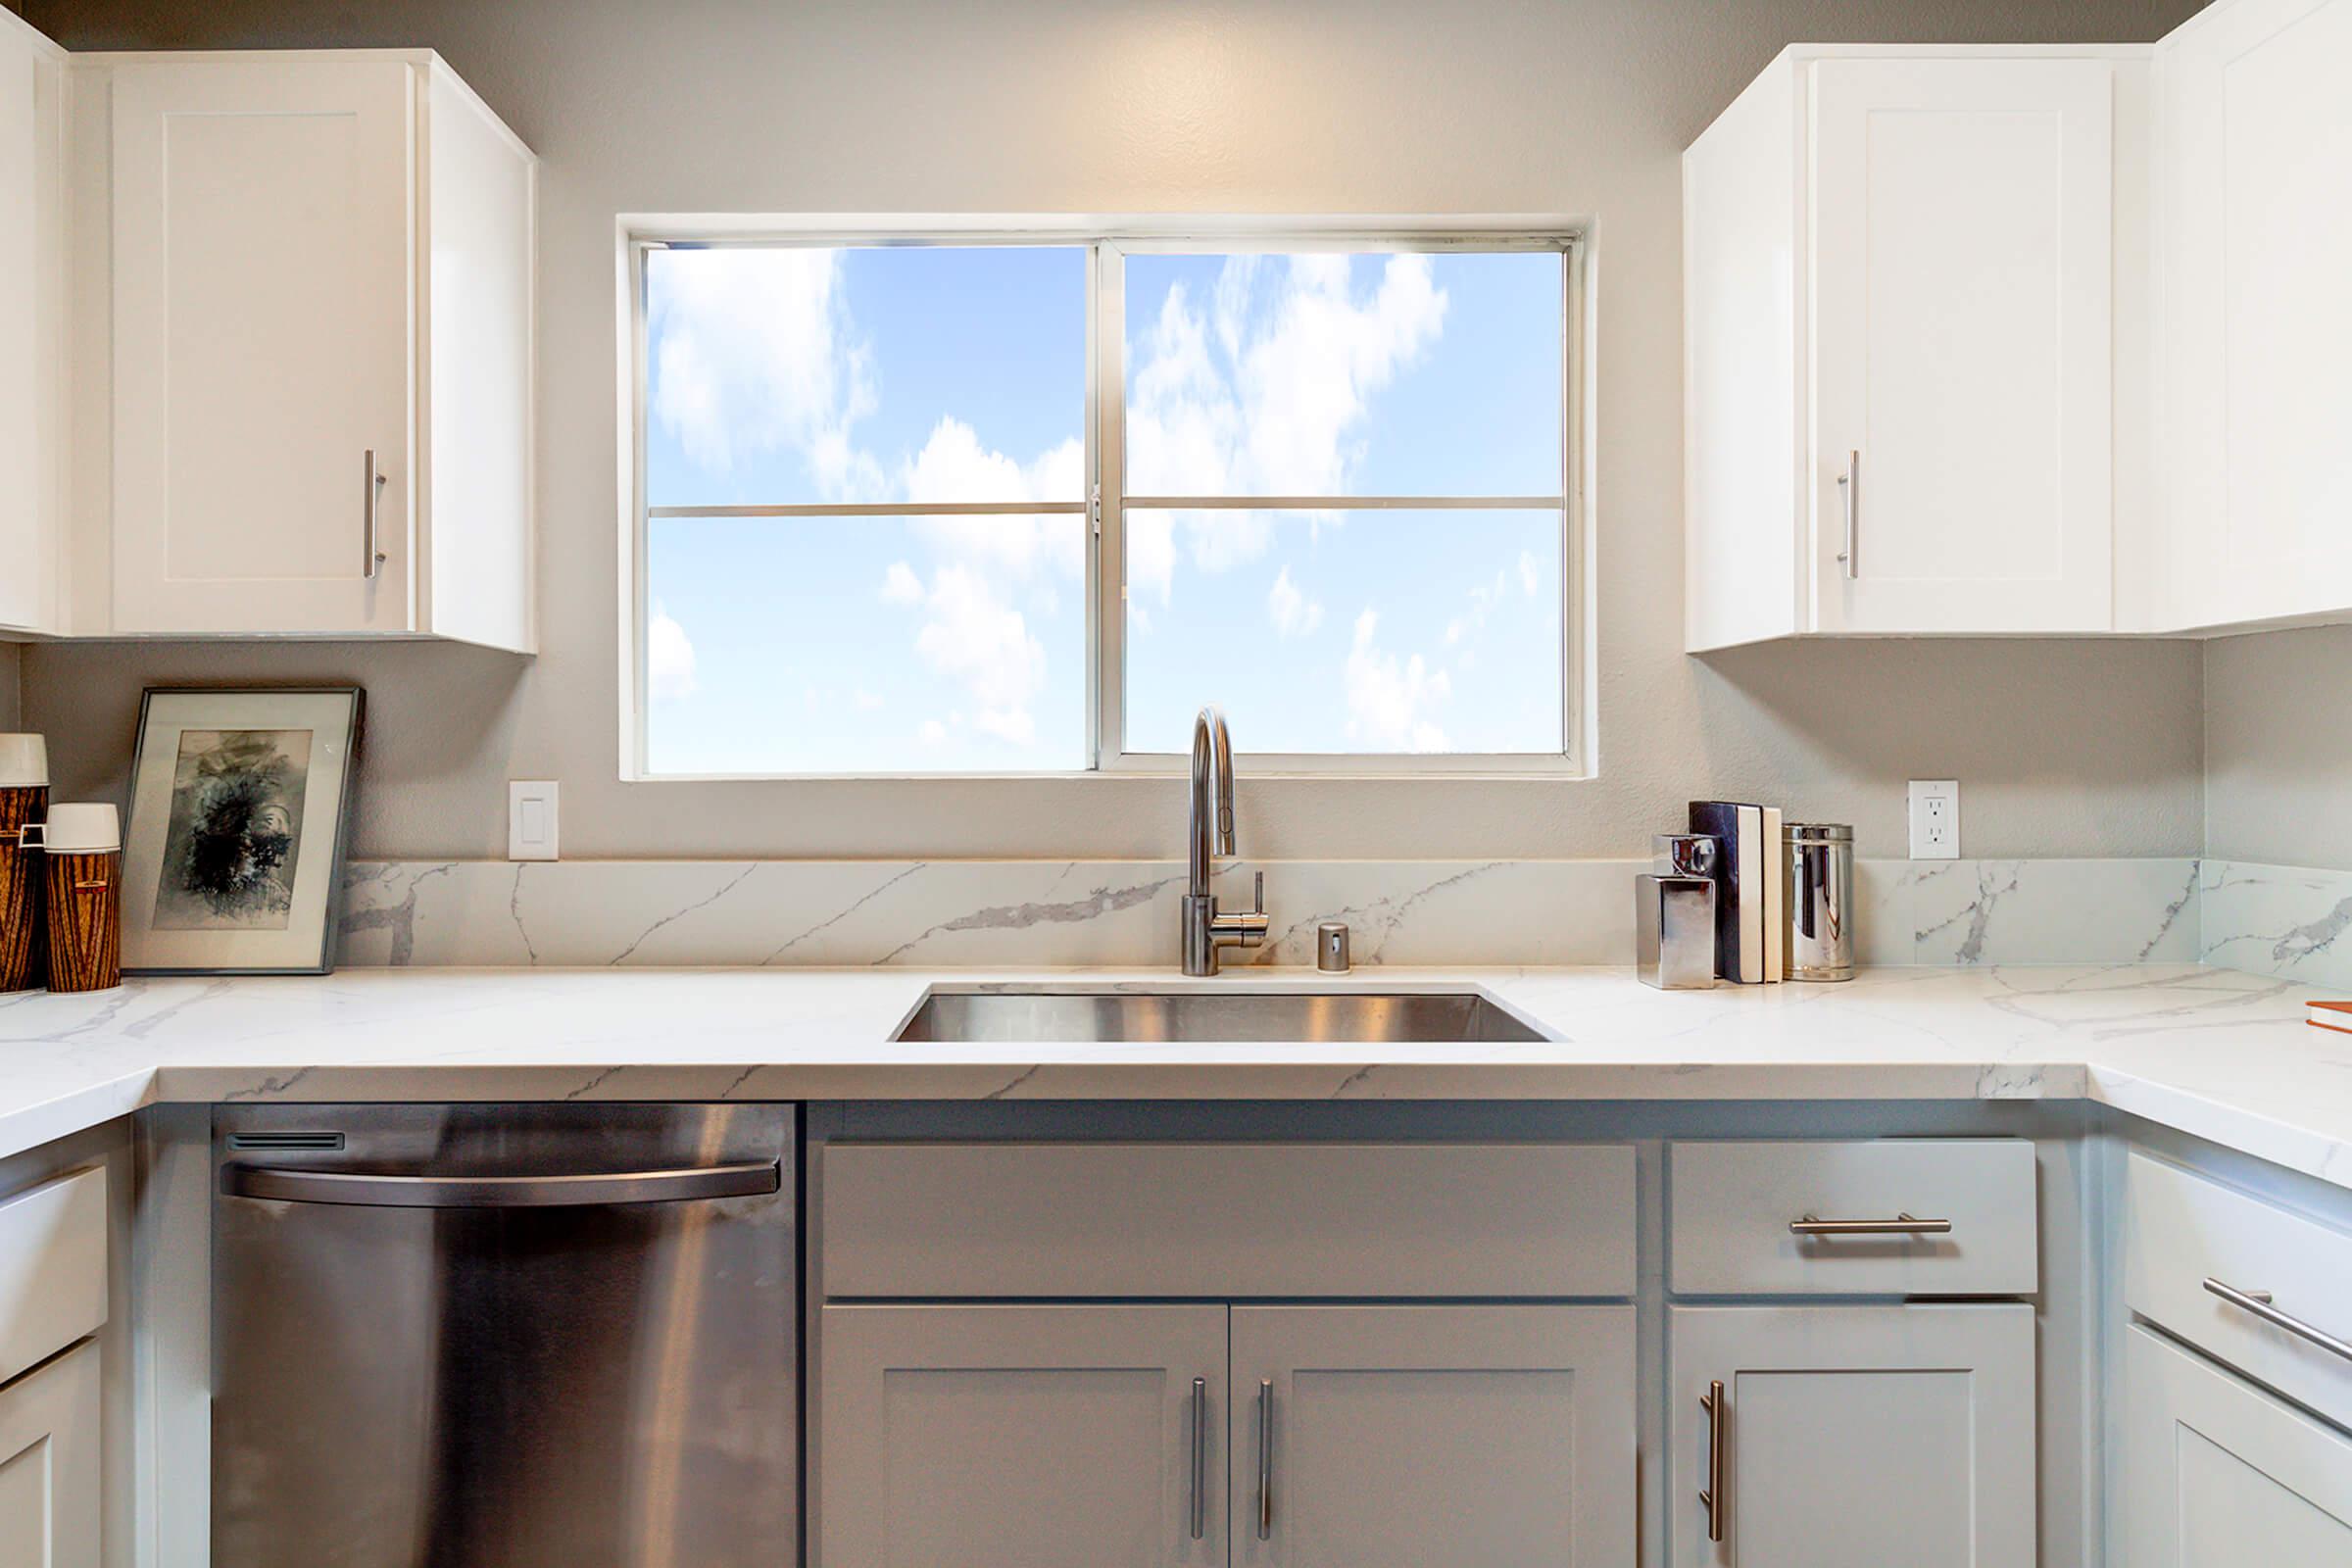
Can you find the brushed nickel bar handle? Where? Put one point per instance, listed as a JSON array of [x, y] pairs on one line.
[[1711, 1499], [2258, 1302], [1849, 486], [371, 557], [1200, 1457], [1900, 1225], [1265, 1458], [366, 1190]]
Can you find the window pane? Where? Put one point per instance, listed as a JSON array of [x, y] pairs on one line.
[[1358, 631], [792, 375], [1327, 374], [846, 645]]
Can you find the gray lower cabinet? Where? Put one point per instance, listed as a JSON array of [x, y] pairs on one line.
[[1401, 1437], [1047, 1437], [1134, 1437], [2219, 1474], [1852, 1437]]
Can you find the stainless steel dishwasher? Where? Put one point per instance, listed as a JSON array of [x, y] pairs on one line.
[[505, 1337]]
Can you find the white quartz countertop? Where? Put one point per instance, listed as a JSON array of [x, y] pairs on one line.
[[2220, 1055]]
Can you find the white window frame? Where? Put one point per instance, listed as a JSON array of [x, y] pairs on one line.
[[1109, 242]]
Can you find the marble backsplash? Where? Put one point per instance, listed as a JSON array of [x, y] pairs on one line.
[[948, 913], [2279, 921]]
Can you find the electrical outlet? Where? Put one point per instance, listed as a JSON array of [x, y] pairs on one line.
[[1935, 819], [531, 819]]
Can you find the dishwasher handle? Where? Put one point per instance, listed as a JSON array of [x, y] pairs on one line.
[[369, 1191]]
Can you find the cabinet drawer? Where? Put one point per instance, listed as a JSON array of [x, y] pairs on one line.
[[1233, 1221], [52, 1267], [1733, 1204], [2182, 1229]]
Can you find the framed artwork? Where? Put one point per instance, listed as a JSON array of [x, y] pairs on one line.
[[240, 800]]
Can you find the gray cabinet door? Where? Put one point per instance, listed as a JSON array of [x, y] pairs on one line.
[[1852, 1437], [1402, 1437], [2218, 1474], [1047, 1437]]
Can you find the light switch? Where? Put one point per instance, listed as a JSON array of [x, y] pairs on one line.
[[531, 819]]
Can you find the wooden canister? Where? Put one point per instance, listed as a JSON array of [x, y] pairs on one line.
[[21, 946], [85, 920], [84, 894]]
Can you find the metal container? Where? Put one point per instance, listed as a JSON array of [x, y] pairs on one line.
[[1673, 931], [1685, 853], [1331, 947], [1820, 862]]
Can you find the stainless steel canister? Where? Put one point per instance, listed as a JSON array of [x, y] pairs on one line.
[[1821, 899]]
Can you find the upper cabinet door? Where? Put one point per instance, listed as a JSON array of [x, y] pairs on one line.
[[31, 324], [1962, 306], [1400, 1437], [265, 258], [2255, 166]]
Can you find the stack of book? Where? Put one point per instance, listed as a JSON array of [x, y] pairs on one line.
[[1751, 914], [2335, 1016]]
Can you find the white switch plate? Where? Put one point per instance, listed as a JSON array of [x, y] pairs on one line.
[[1935, 819], [531, 819]]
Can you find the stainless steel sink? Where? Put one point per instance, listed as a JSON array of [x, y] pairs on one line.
[[1216, 1016]]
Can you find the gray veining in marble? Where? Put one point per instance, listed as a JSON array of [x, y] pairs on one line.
[[2279, 920]]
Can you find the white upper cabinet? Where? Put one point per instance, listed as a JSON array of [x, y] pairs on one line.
[[318, 350], [2254, 203], [1901, 287], [32, 230]]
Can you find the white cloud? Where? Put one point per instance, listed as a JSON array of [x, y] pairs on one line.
[[1294, 614], [865, 702], [1262, 395], [933, 733], [973, 636], [669, 659], [954, 465], [901, 586], [753, 354], [1390, 702], [1528, 580]]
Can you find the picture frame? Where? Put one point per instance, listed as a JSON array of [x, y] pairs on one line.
[[238, 825]]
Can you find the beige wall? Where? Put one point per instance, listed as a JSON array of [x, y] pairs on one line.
[[2278, 748], [1315, 106]]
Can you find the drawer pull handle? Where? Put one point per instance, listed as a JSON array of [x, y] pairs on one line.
[[2258, 1302], [1711, 1499], [1900, 1225]]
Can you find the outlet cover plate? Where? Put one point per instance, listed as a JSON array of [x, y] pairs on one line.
[[531, 819], [1935, 819]]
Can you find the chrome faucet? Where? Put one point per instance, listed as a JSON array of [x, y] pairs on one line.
[[1210, 834]]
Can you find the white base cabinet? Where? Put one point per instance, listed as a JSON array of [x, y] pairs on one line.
[[1852, 1437], [311, 355], [50, 1503], [2220, 1475]]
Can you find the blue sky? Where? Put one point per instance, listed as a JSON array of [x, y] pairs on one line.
[[935, 373]]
